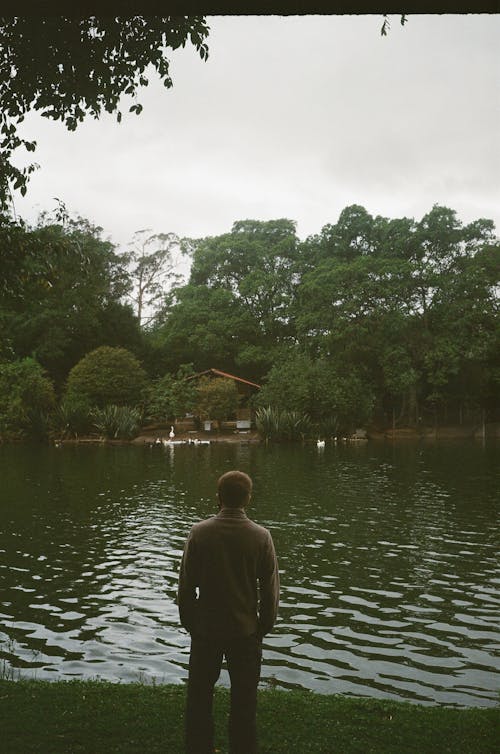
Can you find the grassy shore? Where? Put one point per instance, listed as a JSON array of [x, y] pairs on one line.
[[101, 718]]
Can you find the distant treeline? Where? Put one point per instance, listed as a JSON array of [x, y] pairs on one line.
[[372, 321]]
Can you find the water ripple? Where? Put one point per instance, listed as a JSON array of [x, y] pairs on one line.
[[390, 581]]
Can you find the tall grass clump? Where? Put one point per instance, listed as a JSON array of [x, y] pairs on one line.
[[267, 422], [117, 422], [275, 424], [73, 416], [329, 426]]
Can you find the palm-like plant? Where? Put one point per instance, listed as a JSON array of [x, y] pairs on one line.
[[117, 422]]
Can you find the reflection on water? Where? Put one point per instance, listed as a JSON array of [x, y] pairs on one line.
[[388, 561]]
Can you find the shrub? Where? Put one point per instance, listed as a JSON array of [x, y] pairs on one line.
[[275, 424], [218, 398], [117, 422], [73, 416], [108, 376], [26, 400], [295, 425], [170, 397], [267, 422], [329, 426], [332, 394]]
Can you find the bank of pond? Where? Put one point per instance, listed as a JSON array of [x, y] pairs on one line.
[[95, 716]]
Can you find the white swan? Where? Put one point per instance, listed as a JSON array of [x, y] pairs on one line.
[[171, 434], [320, 443]]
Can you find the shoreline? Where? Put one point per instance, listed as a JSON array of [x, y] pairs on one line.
[[156, 436]]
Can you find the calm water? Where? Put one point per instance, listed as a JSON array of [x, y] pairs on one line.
[[388, 560]]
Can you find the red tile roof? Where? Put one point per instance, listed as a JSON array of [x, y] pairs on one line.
[[219, 373]]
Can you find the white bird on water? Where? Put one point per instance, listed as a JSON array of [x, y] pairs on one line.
[[171, 434], [320, 443]]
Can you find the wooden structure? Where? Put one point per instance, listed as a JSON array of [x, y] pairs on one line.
[[246, 389]]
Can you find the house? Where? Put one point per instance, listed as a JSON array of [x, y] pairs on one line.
[[246, 390]]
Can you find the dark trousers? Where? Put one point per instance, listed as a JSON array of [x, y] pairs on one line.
[[243, 658]]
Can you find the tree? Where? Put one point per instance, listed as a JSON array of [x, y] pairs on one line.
[[414, 303], [172, 396], [218, 398], [256, 262], [152, 264], [68, 68], [334, 395], [236, 310], [64, 296], [108, 376], [350, 236], [26, 397], [203, 326]]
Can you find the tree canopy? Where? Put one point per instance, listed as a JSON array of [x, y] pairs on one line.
[[68, 68], [152, 263], [372, 321], [26, 395], [393, 319], [62, 295]]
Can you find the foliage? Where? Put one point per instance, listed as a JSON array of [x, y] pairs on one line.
[[217, 398], [73, 416], [387, 24], [202, 326], [409, 303], [68, 68], [235, 311], [332, 395], [329, 426], [152, 262], [62, 293], [170, 397], [256, 263], [108, 375], [117, 422], [276, 424], [372, 320], [26, 399]]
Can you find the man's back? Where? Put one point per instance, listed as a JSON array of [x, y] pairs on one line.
[[225, 558], [228, 599]]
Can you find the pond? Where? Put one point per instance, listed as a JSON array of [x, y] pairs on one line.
[[388, 562]]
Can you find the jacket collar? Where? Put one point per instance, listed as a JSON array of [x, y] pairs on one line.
[[232, 513]]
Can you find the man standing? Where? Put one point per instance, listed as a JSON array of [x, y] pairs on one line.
[[228, 600]]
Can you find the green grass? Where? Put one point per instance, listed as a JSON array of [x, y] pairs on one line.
[[98, 717]]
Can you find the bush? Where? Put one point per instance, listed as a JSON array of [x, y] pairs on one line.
[[329, 426], [117, 422], [171, 397], [336, 398], [274, 424], [218, 398], [26, 400], [73, 416], [267, 422], [108, 376]]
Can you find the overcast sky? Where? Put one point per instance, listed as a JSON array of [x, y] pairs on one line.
[[292, 117]]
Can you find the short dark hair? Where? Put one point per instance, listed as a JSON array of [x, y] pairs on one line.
[[234, 488]]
